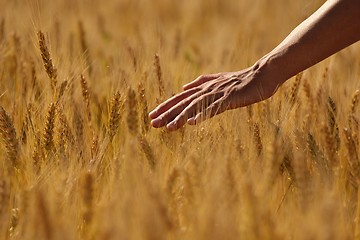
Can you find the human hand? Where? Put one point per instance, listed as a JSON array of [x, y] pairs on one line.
[[210, 95]]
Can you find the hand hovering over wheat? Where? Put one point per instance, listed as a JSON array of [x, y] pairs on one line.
[[334, 26], [213, 94]]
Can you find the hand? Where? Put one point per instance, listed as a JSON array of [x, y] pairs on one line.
[[210, 95]]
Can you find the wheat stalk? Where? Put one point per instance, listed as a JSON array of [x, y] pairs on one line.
[[85, 93], [86, 99], [78, 123], [115, 116], [66, 137], [24, 129], [132, 116], [48, 135], [330, 145], [88, 198], [35, 85], [353, 158], [144, 108], [8, 133], [37, 154], [149, 154], [301, 179], [332, 123], [94, 146], [257, 138], [321, 89], [14, 221], [4, 196], [159, 76], [352, 120], [62, 89], [295, 88], [354, 101], [351, 146], [47, 61], [308, 94]]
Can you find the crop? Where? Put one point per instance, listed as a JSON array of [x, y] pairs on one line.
[[79, 160]]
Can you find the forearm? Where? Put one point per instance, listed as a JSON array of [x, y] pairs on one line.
[[331, 28], [334, 26]]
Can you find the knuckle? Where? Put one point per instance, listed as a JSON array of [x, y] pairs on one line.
[[208, 76], [228, 92], [198, 89], [217, 88], [162, 116], [183, 102], [202, 76]]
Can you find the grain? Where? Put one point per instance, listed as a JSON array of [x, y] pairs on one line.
[[145, 120], [148, 151], [132, 112], [295, 88], [159, 75], [80, 160], [48, 135], [8, 135], [47, 61], [115, 114]]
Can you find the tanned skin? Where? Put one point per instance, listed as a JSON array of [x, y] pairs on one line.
[[334, 26]]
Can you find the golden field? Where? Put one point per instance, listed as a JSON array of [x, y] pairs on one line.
[[79, 160]]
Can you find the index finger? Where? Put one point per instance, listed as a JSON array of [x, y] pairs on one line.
[[200, 80]]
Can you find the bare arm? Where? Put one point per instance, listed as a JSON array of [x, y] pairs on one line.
[[334, 26]]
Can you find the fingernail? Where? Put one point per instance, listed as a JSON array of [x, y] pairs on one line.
[[152, 113], [191, 121], [156, 122], [171, 126]]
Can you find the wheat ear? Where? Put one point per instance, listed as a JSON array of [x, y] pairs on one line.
[[132, 117], [48, 136], [115, 116], [159, 75], [149, 154], [47, 61], [144, 108], [8, 133]]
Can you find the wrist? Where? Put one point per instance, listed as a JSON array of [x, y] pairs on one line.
[[268, 67]]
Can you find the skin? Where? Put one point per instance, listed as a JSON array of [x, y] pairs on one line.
[[334, 26]]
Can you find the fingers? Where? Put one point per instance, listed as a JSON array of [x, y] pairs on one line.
[[189, 89], [214, 109], [195, 106], [170, 114], [171, 102], [175, 112], [200, 80]]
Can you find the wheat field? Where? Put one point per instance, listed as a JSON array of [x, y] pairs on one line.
[[79, 160]]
